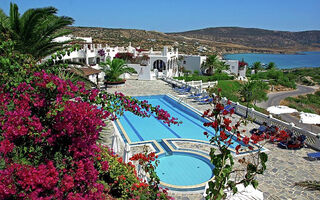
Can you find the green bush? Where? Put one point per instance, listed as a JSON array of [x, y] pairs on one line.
[[215, 77], [276, 77], [306, 103]]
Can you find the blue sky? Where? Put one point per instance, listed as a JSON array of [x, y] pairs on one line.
[[182, 15]]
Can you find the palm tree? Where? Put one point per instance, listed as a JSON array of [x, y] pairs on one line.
[[271, 65], [254, 91], [212, 63], [34, 31], [256, 67], [113, 69]]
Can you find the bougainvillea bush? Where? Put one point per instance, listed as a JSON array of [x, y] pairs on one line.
[[49, 129]]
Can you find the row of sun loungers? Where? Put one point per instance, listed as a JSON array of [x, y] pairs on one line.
[[285, 139], [201, 98]]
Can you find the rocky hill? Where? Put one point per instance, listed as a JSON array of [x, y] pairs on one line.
[[211, 40], [257, 38]]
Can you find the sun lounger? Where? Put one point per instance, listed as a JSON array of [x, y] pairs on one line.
[[262, 128], [210, 100], [284, 145], [187, 90], [293, 145], [177, 89], [314, 156], [201, 98], [192, 96], [228, 108]]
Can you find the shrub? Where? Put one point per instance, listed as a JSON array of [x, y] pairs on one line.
[[223, 135], [48, 139], [276, 77], [214, 77]]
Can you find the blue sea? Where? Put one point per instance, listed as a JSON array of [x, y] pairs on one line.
[[283, 61]]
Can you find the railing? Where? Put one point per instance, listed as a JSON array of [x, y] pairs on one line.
[[312, 140], [209, 84], [258, 117]]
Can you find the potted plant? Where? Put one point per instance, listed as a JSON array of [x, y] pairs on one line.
[[113, 69]]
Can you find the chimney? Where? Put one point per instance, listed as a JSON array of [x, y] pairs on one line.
[[165, 51]]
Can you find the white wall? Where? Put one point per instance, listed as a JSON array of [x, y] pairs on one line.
[[233, 66], [192, 62], [243, 72], [144, 72]]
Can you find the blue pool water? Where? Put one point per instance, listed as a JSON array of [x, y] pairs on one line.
[[284, 61], [143, 129], [183, 170]]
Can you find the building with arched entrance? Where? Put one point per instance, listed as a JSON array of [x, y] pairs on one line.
[[150, 63]]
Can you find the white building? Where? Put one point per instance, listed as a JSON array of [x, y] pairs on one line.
[[192, 62], [158, 63], [235, 69]]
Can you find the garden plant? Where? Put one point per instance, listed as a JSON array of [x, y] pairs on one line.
[[49, 129], [228, 174]]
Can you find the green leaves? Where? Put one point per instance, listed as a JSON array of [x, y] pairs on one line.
[[113, 69], [213, 64], [263, 157], [254, 183], [35, 30]]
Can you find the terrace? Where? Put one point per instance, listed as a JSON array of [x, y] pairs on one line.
[[284, 167]]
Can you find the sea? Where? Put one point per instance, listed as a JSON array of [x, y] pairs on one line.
[[282, 61]]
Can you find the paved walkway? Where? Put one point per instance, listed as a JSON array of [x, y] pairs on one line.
[[276, 97], [284, 167]]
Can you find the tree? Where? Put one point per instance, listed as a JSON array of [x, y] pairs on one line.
[[257, 66], [212, 64], [34, 32], [113, 69], [271, 66], [254, 91]]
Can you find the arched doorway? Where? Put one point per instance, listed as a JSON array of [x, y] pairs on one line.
[[159, 65]]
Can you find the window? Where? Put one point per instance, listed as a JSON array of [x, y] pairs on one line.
[[184, 62]]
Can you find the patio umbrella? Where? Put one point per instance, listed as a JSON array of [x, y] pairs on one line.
[[244, 193], [277, 110], [115, 144], [309, 118], [127, 153]]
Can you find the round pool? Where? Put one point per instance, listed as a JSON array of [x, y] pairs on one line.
[[184, 170]]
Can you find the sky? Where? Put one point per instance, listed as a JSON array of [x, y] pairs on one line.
[[184, 15]]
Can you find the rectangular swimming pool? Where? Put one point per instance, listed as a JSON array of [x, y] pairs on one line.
[[143, 129]]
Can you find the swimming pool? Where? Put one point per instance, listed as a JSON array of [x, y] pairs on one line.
[[187, 168], [144, 129], [182, 169]]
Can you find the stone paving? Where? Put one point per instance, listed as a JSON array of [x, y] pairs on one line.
[[284, 167]]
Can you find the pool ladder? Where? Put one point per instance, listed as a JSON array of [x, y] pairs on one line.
[[180, 100]]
